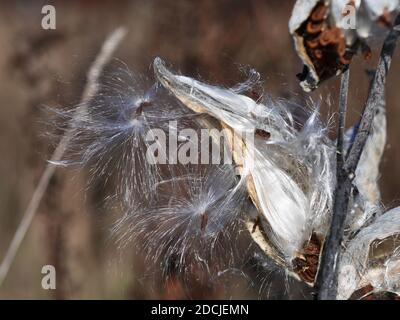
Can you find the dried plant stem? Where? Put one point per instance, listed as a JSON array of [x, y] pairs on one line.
[[327, 280], [342, 186], [91, 88], [344, 92]]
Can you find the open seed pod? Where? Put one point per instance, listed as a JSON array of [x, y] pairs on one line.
[[288, 172], [328, 33], [366, 199], [370, 266]]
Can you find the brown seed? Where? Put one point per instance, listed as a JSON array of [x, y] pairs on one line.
[[366, 51], [336, 35], [260, 133], [139, 109], [256, 224], [318, 54], [313, 44], [314, 28], [204, 221], [368, 293], [330, 36], [346, 59], [382, 295], [385, 19], [306, 263], [325, 38], [319, 13], [255, 95], [360, 293]]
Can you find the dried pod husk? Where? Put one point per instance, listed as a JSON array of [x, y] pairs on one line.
[[319, 43], [303, 261], [327, 34], [288, 173], [366, 199], [371, 258]]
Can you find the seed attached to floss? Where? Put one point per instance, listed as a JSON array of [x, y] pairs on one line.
[[345, 60], [385, 19], [313, 43], [366, 51], [314, 28], [325, 38], [256, 224], [368, 293], [204, 221], [306, 264], [318, 54], [344, 55], [260, 133], [142, 105], [330, 36], [255, 95]]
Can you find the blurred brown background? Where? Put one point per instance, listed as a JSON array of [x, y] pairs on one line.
[[205, 38]]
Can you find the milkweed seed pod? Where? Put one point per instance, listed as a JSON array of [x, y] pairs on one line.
[[328, 33], [288, 172], [371, 261]]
